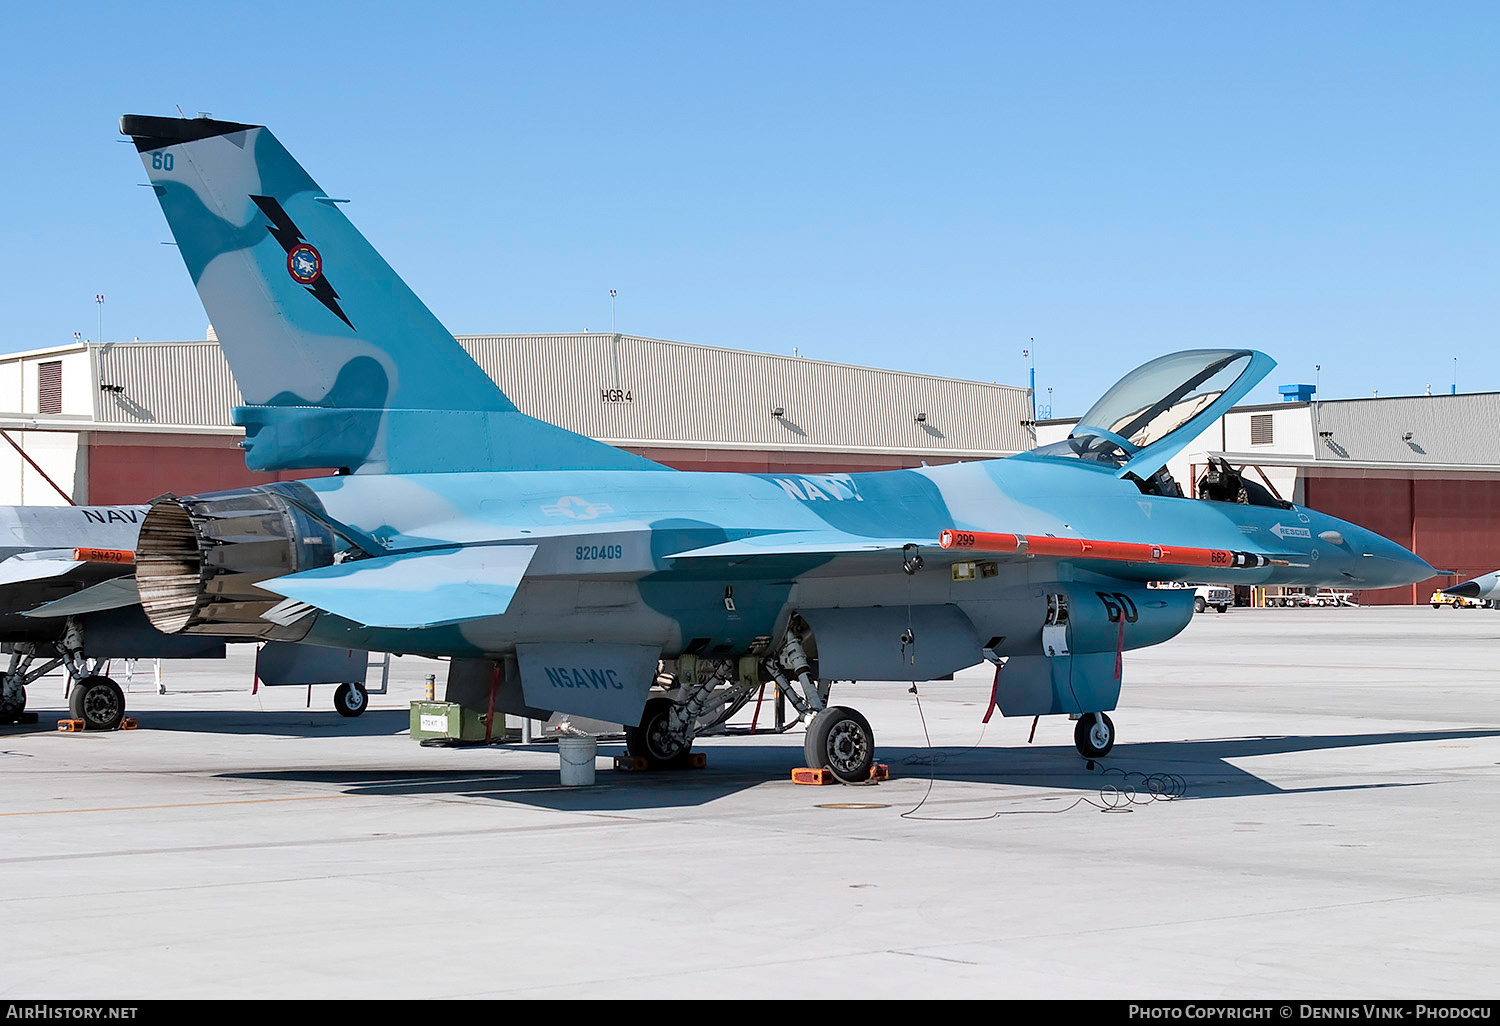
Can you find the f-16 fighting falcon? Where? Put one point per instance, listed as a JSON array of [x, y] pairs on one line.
[[563, 575], [67, 599], [1485, 587]]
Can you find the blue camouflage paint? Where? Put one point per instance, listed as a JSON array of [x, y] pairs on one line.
[[624, 557]]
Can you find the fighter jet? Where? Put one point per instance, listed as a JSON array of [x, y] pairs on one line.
[[563, 575], [49, 557], [1485, 587]]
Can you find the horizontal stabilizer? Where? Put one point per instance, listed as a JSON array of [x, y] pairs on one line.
[[422, 589], [114, 593], [30, 568]]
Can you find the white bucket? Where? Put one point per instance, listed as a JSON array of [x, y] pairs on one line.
[[577, 756]]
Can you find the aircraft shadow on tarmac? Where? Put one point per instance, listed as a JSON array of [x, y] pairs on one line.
[[1203, 770], [314, 722]]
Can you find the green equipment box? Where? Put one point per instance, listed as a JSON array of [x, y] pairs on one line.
[[456, 724]]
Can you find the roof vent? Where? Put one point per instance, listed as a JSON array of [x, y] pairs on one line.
[[1296, 393]]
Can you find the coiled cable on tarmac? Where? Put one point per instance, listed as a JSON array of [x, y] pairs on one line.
[[1152, 787]]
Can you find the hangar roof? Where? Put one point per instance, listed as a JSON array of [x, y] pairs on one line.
[[1443, 429], [624, 389], [1446, 431]]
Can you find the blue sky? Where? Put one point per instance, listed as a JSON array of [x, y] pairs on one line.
[[918, 186]]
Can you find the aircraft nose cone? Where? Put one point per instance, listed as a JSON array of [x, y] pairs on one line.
[[1381, 563], [1405, 566], [1468, 589]]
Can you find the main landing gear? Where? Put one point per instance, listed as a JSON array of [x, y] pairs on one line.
[[98, 702], [698, 696], [841, 741], [93, 698], [657, 740]]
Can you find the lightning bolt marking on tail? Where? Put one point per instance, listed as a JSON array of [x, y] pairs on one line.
[[285, 232]]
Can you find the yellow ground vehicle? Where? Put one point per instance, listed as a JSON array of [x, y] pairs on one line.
[[1456, 601]]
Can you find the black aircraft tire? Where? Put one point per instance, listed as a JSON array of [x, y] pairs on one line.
[[10, 712], [351, 699], [652, 741], [1090, 745], [98, 702], [840, 740]]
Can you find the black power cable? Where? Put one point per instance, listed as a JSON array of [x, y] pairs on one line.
[[1154, 787]]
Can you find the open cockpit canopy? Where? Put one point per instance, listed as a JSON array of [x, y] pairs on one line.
[[1155, 411]]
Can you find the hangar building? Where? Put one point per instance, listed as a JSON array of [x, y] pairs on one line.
[[123, 422]]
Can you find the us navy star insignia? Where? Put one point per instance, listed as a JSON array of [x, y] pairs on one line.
[[577, 509]]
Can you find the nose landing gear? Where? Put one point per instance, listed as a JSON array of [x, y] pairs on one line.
[[1094, 735]]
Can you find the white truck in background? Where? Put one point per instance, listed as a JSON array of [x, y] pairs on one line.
[[1220, 596]]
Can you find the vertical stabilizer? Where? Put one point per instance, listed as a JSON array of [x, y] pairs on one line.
[[338, 360]]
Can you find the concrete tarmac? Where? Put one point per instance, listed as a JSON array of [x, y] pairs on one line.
[[1334, 837]]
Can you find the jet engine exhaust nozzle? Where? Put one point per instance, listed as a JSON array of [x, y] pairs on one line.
[[199, 562]]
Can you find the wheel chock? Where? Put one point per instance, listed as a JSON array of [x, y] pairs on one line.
[[77, 726], [806, 775], [640, 764]]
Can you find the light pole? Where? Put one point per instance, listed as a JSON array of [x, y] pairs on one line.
[[1031, 361], [100, 301], [1455, 377], [611, 311]]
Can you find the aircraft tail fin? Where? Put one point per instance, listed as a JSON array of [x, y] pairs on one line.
[[338, 360]]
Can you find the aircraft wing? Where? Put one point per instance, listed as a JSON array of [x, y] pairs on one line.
[[115, 593], [800, 543], [422, 589], [36, 566]]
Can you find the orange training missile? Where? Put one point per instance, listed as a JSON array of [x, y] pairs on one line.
[[1088, 548], [104, 555]]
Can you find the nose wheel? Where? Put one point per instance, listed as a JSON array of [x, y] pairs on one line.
[[351, 699], [1094, 736]]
